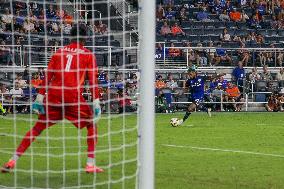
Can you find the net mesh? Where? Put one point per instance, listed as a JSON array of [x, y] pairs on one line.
[[32, 31]]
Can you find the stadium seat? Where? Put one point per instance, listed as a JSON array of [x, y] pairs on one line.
[[261, 86], [2, 75]]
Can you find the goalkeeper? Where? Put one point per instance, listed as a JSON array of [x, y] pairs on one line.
[[60, 96]]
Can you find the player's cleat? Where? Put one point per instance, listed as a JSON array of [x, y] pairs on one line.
[[209, 112], [179, 122], [8, 167], [93, 169]]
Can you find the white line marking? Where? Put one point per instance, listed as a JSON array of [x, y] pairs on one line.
[[187, 125], [224, 150], [261, 124]]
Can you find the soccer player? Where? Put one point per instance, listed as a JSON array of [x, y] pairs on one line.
[[61, 96], [3, 111], [195, 84]]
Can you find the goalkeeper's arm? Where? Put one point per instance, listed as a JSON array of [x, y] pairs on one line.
[[93, 82], [37, 106]]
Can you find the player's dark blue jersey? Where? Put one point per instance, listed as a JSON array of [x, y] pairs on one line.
[[196, 87]]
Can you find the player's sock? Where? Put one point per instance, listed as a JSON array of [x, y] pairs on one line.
[[15, 157], [90, 161], [91, 141], [186, 116]]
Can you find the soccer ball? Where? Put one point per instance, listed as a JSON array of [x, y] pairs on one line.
[[174, 122]]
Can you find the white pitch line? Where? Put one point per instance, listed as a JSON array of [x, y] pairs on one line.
[[224, 150]]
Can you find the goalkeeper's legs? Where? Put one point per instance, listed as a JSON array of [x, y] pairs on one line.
[[82, 117], [44, 121], [26, 142], [92, 141]]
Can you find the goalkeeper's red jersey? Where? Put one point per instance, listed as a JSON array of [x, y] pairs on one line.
[[67, 71]]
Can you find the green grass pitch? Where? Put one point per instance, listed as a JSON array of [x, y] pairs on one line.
[[228, 150]]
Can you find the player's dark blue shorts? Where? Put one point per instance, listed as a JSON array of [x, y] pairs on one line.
[[196, 99]]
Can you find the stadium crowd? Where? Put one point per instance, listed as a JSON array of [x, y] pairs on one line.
[[221, 25], [170, 88], [29, 23], [17, 97]]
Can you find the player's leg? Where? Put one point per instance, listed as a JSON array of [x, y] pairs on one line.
[[3, 110], [187, 114], [44, 121], [82, 117]]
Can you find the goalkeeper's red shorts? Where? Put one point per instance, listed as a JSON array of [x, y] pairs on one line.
[[79, 114]]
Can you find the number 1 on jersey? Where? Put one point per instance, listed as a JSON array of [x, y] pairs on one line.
[[69, 61]]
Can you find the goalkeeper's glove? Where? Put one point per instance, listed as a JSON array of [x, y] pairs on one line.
[[97, 110], [37, 106]]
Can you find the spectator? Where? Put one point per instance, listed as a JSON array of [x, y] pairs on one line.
[[217, 96], [50, 13], [19, 80], [18, 21], [67, 28], [101, 28], [279, 57], [218, 8], [255, 22], [119, 82], [203, 15], [165, 29], [189, 53], [160, 13], [160, 51], [55, 27], [225, 36], [265, 75], [266, 56], [244, 16], [174, 52], [7, 19], [275, 23], [274, 103], [201, 56], [211, 53], [244, 54], [238, 75], [17, 96], [36, 81], [259, 39], [176, 30], [235, 15], [171, 83], [228, 7], [280, 75], [223, 82], [233, 95], [41, 73], [170, 15], [182, 15], [224, 16], [254, 75], [160, 84], [125, 104], [5, 55], [27, 74], [221, 55], [28, 26]]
